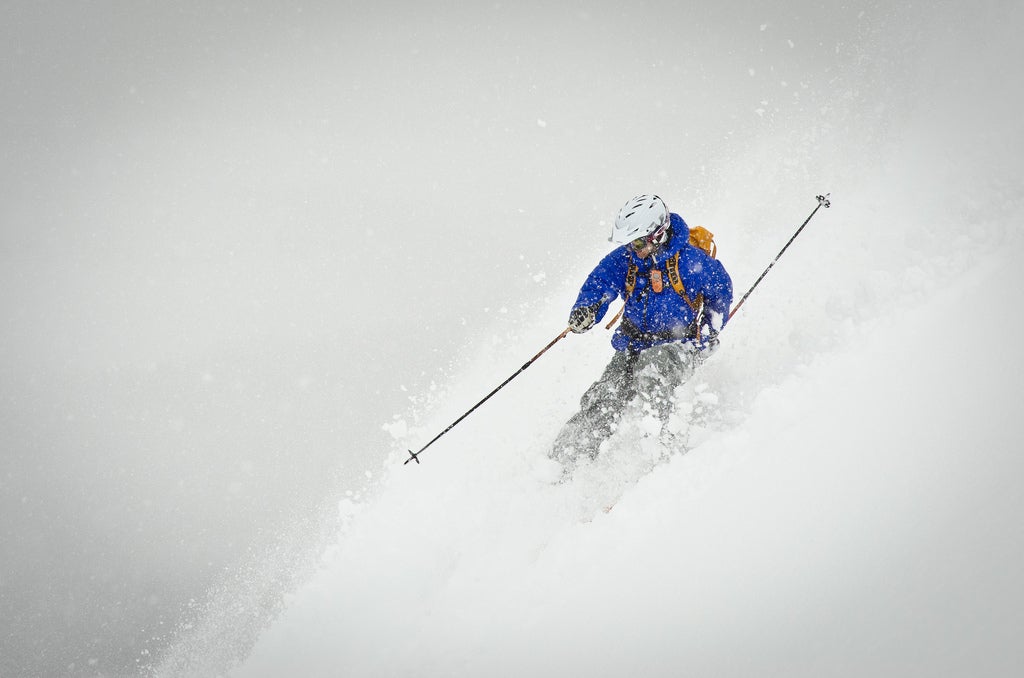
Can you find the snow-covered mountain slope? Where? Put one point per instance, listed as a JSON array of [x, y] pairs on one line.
[[846, 506], [238, 240], [857, 516]]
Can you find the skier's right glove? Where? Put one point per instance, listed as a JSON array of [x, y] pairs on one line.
[[583, 318]]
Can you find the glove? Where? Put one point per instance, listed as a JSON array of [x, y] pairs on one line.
[[709, 345], [583, 318]]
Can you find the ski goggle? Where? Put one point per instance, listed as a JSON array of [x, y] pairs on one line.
[[656, 238]]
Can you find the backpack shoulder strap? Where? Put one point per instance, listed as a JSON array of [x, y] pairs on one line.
[[677, 284], [631, 280]]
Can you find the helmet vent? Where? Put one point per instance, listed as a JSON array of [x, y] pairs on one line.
[[633, 220]]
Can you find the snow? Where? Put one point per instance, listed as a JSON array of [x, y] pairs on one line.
[[861, 519], [847, 505], [200, 354]]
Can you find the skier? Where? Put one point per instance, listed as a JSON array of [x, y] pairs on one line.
[[677, 299]]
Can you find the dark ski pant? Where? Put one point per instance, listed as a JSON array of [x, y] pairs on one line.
[[647, 377]]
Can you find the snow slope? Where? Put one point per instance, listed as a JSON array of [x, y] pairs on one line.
[[857, 516], [846, 507], [199, 348]]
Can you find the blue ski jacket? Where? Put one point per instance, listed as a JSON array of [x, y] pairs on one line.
[[651, 318]]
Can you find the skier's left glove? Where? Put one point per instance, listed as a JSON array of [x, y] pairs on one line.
[[709, 345]]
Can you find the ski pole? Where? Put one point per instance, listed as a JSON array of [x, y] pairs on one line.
[[416, 455], [823, 201]]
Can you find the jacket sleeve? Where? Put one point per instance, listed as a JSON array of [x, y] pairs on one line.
[[717, 295], [606, 282]]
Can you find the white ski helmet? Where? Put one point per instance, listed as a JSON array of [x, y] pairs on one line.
[[642, 215]]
